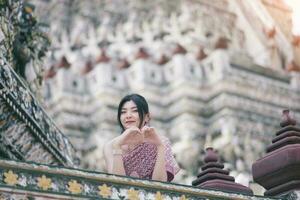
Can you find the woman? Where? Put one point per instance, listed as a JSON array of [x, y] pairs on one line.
[[139, 151]]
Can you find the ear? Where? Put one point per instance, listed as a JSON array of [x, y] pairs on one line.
[[147, 118]]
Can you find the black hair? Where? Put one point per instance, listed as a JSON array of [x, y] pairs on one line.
[[141, 104]]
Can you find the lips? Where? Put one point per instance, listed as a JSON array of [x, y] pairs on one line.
[[129, 122]]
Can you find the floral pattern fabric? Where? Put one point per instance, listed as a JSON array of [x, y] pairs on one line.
[[140, 161]]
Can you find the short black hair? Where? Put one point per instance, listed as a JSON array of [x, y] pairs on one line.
[[141, 104]]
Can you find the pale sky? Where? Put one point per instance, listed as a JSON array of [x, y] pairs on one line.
[[295, 6]]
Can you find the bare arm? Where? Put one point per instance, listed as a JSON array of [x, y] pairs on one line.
[[113, 152], [159, 172], [113, 159]]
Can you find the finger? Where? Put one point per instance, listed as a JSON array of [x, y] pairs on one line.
[[135, 130], [145, 128], [148, 130]]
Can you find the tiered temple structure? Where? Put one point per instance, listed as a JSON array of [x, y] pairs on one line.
[[29, 138], [216, 81]]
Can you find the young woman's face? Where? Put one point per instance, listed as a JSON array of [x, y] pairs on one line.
[[130, 115]]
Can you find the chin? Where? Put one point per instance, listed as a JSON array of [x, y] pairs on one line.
[[130, 126]]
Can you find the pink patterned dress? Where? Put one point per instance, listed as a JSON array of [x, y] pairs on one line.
[[140, 161]]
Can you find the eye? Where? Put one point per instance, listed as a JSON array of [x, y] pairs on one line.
[[123, 111]]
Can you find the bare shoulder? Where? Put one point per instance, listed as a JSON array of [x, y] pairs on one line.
[[165, 140], [107, 147]]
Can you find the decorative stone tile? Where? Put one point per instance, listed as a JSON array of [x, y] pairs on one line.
[[10, 178]]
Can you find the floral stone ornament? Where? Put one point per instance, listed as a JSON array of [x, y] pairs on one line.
[[133, 194], [44, 182], [10, 178], [158, 196], [183, 198], [104, 191], [74, 187]]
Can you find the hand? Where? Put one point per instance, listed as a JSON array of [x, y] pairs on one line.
[[151, 136], [130, 136]]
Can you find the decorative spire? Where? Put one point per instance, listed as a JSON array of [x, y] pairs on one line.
[[292, 66], [163, 59], [201, 54], [286, 119], [278, 170], [50, 73], [179, 49], [210, 155], [270, 33], [296, 41], [63, 63], [142, 54], [287, 134], [102, 58], [213, 176], [222, 43], [123, 64], [88, 67]]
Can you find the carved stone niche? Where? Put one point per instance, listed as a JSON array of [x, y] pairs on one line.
[[279, 170]]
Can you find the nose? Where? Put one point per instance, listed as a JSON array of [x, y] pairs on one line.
[[128, 115]]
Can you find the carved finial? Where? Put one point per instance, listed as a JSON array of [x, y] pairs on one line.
[[270, 32], [222, 43], [88, 67], [286, 119], [211, 155], [296, 41], [123, 64], [179, 49], [63, 63], [163, 59], [103, 58], [50, 73], [142, 54], [292, 66], [201, 54]]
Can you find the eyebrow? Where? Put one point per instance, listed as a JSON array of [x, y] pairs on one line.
[[133, 107]]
